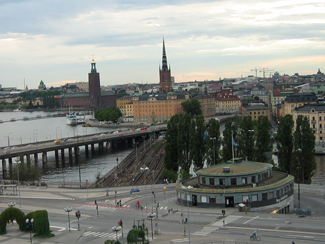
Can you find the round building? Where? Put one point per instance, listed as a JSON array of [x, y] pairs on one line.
[[238, 182]]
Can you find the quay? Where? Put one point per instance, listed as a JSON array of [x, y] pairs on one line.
[[72, 144]]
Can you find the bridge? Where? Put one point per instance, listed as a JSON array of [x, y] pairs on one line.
[[72, 144]]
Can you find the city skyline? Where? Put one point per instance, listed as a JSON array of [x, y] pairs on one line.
[[54, 41]]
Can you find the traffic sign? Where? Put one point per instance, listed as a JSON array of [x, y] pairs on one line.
[[87, 183]]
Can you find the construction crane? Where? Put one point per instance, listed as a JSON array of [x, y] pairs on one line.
[[264, 70], [256, 69]]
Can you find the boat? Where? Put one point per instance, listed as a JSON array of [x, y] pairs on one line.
[[17, 110], [72, 119]]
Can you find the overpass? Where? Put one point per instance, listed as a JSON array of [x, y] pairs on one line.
[[72, 144]]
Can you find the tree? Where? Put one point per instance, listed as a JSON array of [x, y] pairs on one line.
[[214, 142], [198, 141], [246, 138], [111, 113], [183, 142], [263, 138], [303, 163], [122, 93], [171, 149], [192, 107], [285, 142], [227, 141]]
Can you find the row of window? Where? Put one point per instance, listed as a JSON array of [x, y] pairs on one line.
[[256, 113], [212, 181], [248, 198]]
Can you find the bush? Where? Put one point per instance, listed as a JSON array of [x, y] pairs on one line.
[[43, 184], [9, 215], [42, 224], [134, 235]]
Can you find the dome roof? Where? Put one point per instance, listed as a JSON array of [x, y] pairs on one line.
[[231, 169]]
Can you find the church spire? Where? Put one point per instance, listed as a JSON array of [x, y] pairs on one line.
[[164, 58]]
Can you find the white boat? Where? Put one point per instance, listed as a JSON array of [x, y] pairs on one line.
[[17, 110], [72, 119]]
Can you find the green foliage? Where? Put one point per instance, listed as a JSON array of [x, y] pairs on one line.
[[183, 142], [169, 174], [11, 214], [41, 224], [263, 139], [192, 107], [213, 142], [134, 235], [33, 95], [8, 106], [304, 149], [26, 172], [285, 142], [246, 135], [122, 93], [198, 141], [111, 113], [184, 175], [227, 141], [171, 150]]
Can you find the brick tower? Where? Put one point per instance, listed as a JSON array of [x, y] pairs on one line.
[[164, 73], [94, 86]]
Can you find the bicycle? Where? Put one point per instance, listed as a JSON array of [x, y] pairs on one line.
[[255, 238]]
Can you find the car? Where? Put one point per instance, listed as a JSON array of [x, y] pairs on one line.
[[57, 141]]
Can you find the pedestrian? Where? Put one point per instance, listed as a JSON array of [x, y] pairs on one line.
[[138, 204], [120, 203]]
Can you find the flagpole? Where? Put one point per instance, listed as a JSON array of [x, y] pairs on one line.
[[232, 146]]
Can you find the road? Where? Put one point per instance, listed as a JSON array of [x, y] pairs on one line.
[[204, 225]]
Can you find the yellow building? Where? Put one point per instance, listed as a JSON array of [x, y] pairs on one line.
[[256, 111], [316, 115], [227, 103], [122, 102], [296, 100], [156, 107]]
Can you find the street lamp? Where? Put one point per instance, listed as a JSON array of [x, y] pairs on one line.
[[9, 139], [151, 216], [214, 151], [299, 150], [29, 223], [116, 229], [68, 210], [143, 170], [35, 135]]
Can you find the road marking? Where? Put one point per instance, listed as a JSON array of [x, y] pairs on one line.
[[251, 220], [205, 231], [179, 240], [101, 234]]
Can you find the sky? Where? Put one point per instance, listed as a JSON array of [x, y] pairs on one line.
[[55, 40]]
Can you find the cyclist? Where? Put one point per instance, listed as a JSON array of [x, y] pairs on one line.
[[254, 234]]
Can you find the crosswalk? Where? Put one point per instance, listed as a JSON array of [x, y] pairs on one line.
[[101, 234]]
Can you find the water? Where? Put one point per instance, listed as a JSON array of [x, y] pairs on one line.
[[51, 128]]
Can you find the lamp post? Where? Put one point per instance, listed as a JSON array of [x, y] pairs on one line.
[[151, 216], [9, 139], [251, 144], [35, 135], [298, 152], [143, 170], [116, 229], [214, 151], [18, 182], [29, 223], [68, 210]]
